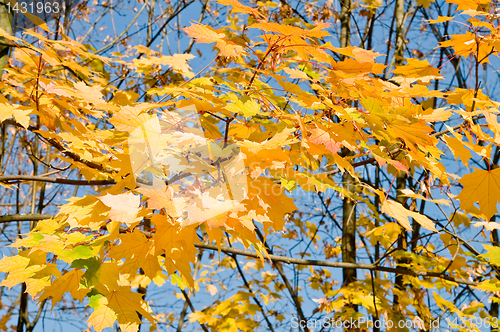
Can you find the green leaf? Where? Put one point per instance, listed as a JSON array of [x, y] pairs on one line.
[[94, 301], [92, 266], [79, 252]]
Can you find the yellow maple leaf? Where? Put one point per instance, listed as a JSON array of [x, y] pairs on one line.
[[229, 48], [69, 282], [18, 276], [91, 94], [9, 264], [130, 117], [418, 69], [18, 112], [124, 207], [170, 236], [126, 304], [239, 8], [35, 286], [441, 19], [483, 187], [133, 244], [290, 30], [85, 211], [41, 279], [102, 318], [164, 198], [179, 62], [108, 275], [459, 150]]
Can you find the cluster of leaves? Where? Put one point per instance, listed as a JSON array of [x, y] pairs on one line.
[[302, 112]]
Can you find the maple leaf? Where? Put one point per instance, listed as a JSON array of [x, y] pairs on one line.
[[108, 275], [133, 244], [418, 69], [319, 136], [69, 282], [23, 267], [90, 93], [359, 54], [398, 212], [85, 211], [9, 264], [466, 44], [179, 62], [170, 235], [351, 67], [458, 149], [18, 276], [441, 19], [164, 198], [270, 197], [139, 253], [52, 87], [129, 118], [432, 115], [247, 109], [483, 187], [290, 30], [36, 285], [18, 112], [124, 207], [239, 8], [146, 141], [229, 48], [126, 304], [469, 4], [102, 317], [214, 212], [493, 254], [204, 33]]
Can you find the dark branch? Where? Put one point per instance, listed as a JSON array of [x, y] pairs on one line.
[[38, 178]]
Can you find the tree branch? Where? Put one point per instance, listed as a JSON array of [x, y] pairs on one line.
[[20, 178], [24, 217], [310, 262]]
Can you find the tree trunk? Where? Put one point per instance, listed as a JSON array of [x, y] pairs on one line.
[[348, 205], [6, 24], [348, 231], [494, 305]]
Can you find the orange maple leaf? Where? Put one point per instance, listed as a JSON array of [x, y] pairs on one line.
[[204, 33], [164, 198], [239, 8], [481, 186], [69, 282], [319, 136]]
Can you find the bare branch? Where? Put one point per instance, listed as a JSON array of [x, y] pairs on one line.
[[20, 178]]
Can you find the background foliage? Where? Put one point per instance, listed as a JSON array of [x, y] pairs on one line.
[[369, 134]]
